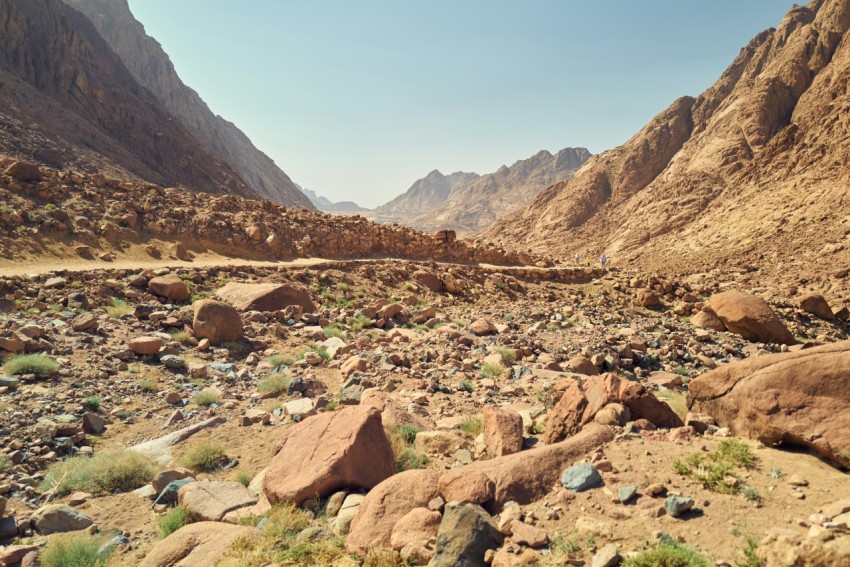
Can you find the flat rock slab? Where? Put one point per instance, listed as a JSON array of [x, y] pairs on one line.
[[265, 297], [58, 518], [197, 545], [160, 448], [211, 500]]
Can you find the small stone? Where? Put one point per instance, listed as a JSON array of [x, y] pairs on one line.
[[678, 505], [580, 477], [608, 556], [626, 493]]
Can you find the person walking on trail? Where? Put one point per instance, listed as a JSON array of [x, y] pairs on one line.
[[603, 260], [578, 258]]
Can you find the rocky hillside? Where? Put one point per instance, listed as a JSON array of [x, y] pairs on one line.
[[474, 207], [326, 205], [66, 98], [152, 68], [424, 196], [751, 173]]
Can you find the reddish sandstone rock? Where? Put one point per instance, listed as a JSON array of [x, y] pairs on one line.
[[815, 304], [750, 317], [217, 321], [23, 171], [145, 345], [416, 527], [474, 488], [386, 504], [200, 543], [265, 297], [212, 500], [170, 287], [427, 279], [706, 319], [799, 398], [502, 431], [346, 448], [483, 327], [392, 413]]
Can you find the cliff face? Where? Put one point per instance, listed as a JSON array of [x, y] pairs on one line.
[[753, 171], [61, 86], [426, 194], [151, 67]]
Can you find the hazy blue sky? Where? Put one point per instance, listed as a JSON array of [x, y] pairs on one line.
[[357, 99]]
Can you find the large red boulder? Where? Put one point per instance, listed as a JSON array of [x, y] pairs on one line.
[[749, 316], [170, 287], [217, 321], [386, 504], [502, 431], [798, 398], [346, 448], [200, 543], [265, 297], [582, 400]]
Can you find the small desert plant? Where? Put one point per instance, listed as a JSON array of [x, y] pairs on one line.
[[408, 432], [466, 386], [472, 426], [113, 470], [207, 397], [775, 473], [4, 463], [359, 323], [172, 521], [404, 455], [244, 478], [681, 371], [676, 400], [380, 557], [74, 551], [118, 308], [38, 364], [278, 360], [750, 552], [342, 287], [714, 470], [668, 555], [123, 414], [490, 370], [460, 323], [508, 354], [274, 384], [203, 457], [751, 494], [147, 385], [184, 338], [94, 402], [333, 331]]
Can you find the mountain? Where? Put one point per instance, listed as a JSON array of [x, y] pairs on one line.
[[753, 172], [65, 94], [426, 194], [473, 207], [326, 205], [150, 65]]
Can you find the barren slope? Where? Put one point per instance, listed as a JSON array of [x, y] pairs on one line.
[[152, 68], [751, 172]]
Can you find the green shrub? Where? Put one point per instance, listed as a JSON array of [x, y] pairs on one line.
[[472, 426], [508, 354], [714, 470], [207, 397], [38, 364], [94, 402], [668, 555], [333, 331], [184, 338], [172, 521], [74, 551], [404, 456], [359, 323], [277, 360], [203, 457], [244, 478], [113, 470], [466, 386], [410, 459], [4, 463], [751, 558], [118, 308], [490, 370], [147, 385], [274, 384], [407, 432]]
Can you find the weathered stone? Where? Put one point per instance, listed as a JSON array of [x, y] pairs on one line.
[[170, 287], [466, 532], [750, 317], [502, 431], [145, 345], [815, 304], [217, 321], [197, 545], [211, 500], [581, 477], [58, 518], [265, 297], [678, 505]]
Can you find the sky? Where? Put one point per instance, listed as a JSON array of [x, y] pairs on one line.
[[358, 99]]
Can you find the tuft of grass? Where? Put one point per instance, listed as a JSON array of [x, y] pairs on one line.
[[359, 323], [750, 552], [466, 386], [714, 470], [668, 555], [148, 385], [207, 397], [184, 338], [118, 308], [462, 323], [490, 370], [38, 364], [408, 432], [73, 551], [404, 455], [334, 330], [472, 426], [4, 463], [277, 360], [751, 494], [380, 557], [507, 353], [775, 473], [681, 371], [274, 384], [203, 457], [244, 478], [561, 549], [172, 521], [94, 402], [112, 471], [676, 400]]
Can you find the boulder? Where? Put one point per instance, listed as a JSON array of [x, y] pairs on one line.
[[386, 504], [211, 500], [58, 518], [265, 297], [527, 476], [580, 365], [749, 316], [647, 298], [502, 431], [474, 488], [170, 287], [417, 527], [483, 327], [798, 398], [23, 171], [164, 478], [145, 345], [341, 524], [392, 412], [816, 305], [217, 321], [707, 319], [345, 448], [427, 279], [581, 401], [466, 533], [197, 545]]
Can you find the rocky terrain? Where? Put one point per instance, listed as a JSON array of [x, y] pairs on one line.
[[749, 173], [151, 67], [67, 99], [467, 203]]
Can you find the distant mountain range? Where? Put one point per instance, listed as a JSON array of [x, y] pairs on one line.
[[326, 205]]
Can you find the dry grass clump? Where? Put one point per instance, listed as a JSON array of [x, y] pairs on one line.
[[38, 364], [113, 470], [203, 457]]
